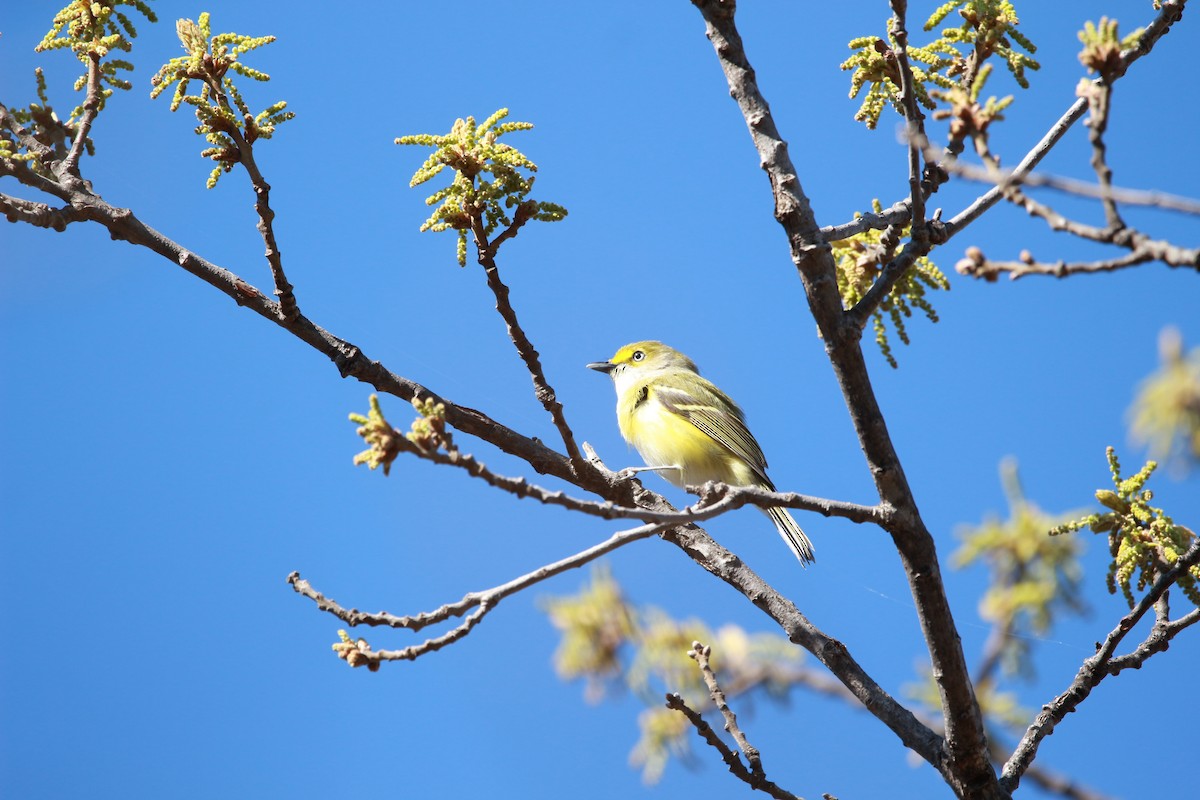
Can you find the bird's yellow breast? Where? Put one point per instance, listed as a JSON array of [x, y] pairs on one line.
[[664, 438]]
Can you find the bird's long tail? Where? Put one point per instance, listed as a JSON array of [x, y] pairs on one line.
[[792, 534]]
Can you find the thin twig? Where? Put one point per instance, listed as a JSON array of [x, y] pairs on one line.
[[1158, 641], [483, 601], [1144, 250], [91, 107], [700, 653], [1094, 670], [706, 732], [289, 309], [525, 349], [1009, 178]]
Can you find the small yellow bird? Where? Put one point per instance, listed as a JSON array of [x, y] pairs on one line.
[[689, 430]]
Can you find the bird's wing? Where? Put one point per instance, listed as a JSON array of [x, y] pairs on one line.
[[728, 429]]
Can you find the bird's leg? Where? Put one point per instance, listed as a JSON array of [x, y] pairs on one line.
[[629, 472]]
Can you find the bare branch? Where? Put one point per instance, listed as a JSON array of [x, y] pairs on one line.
[[91, 107], [1158, 641], [1097, 668], [799, 629], [483, 601], [898, 214], [40, 215], [123, 224], [1099, 98], [700, 654], [676, 703], [715, 498], [1142, 250], [529, 354], [914, 120], [738, 496], [962, 758], [289, 309], [1009, 178]]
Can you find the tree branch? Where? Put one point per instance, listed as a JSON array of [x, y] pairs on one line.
[[529, 354], [39, 215], [756, 781], [1009, 178], [91, 107], [1097, 668], [350, 360], [700, 653], [1142, 249], [1168, 14], [962, 758], [483, 601], [898, 214], [715, 498], [914, 121], [289, 308]]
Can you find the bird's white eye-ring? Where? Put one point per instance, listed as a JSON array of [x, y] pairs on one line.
[[638, 355]]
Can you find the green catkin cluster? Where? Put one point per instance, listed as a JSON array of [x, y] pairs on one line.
[[225, 120], [861, 258], [1144, 542], [988, 28], [490, 187]]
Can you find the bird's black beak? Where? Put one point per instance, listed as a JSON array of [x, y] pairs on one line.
[[602, 366]]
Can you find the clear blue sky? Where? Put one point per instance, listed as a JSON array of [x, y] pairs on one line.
[[169, 458]]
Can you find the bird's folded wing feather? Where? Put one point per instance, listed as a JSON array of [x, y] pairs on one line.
[[727, 429]]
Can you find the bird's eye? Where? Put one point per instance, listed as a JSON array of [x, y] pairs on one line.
[[638, 355]]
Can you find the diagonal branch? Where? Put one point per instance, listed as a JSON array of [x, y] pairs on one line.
[[289, 309], [350, 360], [1159, 639], [1169, 13], [700, 654], [1095, 669], [705, 731], [483, 602], [91, 107], [962, 758], [1008, 178], [800, 631], [529, 354], [39, 215]]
